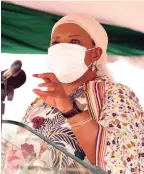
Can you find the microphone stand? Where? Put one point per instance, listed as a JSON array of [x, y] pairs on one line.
[[6, 91]]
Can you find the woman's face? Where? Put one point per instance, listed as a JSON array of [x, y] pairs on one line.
[[72, 33]]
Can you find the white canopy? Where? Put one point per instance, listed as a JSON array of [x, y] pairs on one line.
[[122, 13]]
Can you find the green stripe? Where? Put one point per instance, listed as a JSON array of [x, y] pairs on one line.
[[28, 31]]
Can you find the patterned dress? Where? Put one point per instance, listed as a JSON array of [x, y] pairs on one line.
[[120, 118]]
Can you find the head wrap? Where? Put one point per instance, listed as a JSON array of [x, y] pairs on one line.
[[96, 32]]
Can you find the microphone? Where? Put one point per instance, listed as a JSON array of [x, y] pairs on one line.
[[13, 71], [12, 78], [16, 81]]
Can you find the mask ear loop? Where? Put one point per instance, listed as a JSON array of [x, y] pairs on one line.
[[90, 49], [94, 68]]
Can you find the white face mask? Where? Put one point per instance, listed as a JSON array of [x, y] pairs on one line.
[[67, 61]]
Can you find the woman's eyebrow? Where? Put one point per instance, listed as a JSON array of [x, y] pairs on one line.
[[74, 35], [57, 37]]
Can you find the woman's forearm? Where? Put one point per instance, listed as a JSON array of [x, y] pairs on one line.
[[86, 134]]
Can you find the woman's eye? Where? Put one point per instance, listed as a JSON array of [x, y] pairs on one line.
[[55, 42], [75, 41]]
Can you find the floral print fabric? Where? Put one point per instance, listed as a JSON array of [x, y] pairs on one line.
[[123, 119], [121, 129]]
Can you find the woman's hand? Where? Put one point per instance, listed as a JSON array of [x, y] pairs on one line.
[[55, 95]]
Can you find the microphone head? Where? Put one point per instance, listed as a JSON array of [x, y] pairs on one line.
[[17, 81], [16, 68]]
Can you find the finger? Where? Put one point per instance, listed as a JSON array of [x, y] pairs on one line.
[[50, 76], [35, 75], [43, 94], [39, 76], [44, 75], [45, 79]]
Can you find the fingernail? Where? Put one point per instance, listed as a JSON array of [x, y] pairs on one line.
[[40, 75], [34, 74]]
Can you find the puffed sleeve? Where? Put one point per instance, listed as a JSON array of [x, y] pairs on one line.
[[119, 143]]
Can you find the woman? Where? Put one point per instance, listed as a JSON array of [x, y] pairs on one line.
[[82, 110]]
